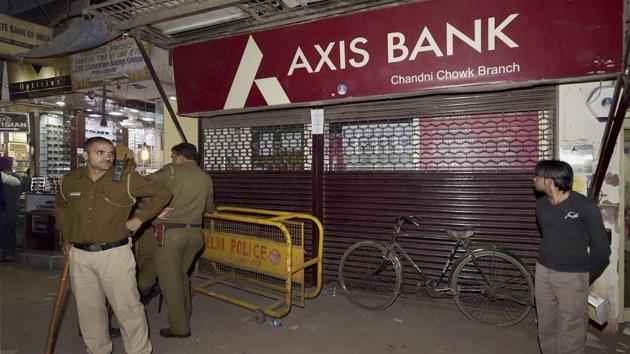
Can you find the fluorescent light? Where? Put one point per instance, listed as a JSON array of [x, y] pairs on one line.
[[60, 103], [133, 110], [94, 115], [147, 119], [172, 98], [116, 113], [89, 109], [201, 20]]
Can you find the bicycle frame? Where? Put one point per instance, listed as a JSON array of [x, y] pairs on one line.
[[444, 274], [397, 250]]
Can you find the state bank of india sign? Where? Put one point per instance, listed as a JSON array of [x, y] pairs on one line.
[[407, 48]]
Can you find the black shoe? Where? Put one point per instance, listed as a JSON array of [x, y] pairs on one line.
[[114, 332], [153, 292], [166, 333]]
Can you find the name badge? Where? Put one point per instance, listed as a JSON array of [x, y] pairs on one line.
[[75, 194]]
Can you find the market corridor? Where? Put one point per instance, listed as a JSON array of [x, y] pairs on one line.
[[327, 324]]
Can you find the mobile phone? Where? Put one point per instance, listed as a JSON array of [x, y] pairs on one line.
[[119, 168]]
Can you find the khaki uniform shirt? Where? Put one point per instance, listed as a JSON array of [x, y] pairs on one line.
[[192, 192], [92, 212]]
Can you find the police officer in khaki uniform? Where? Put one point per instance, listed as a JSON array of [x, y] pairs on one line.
[[144, 243], [183, 239], [92, 209]]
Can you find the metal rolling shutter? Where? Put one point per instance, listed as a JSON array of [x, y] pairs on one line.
[[451, 159], [470, 162]]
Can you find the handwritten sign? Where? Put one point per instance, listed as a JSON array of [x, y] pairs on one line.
[[120, 58]]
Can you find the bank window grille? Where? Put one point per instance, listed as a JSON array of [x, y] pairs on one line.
[[506, 141], [266, 148], [511, 141]]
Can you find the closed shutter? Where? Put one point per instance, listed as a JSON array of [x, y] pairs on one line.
[[451, 159]]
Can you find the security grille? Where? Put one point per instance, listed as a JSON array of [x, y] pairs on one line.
[[266, 148], [509, 141], [454, 160], [482, 142]]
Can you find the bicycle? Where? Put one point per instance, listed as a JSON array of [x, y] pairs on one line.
[[490, 285]]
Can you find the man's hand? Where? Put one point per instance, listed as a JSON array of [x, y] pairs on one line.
[[66, 249], [166, 213], [133, 224]]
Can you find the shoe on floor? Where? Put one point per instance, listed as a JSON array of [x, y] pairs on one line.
[[153, 292], [166, 333]]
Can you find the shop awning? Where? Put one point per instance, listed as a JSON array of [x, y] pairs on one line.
[[81, 35]]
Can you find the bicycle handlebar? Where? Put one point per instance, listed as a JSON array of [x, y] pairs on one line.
[[411, 219]]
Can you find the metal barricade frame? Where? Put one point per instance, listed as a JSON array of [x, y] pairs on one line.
[[244, 250]]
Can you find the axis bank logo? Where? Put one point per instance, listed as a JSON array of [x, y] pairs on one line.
[[270, 87]]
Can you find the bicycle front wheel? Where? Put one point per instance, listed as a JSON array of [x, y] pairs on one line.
[[494, 288], [370, 279]]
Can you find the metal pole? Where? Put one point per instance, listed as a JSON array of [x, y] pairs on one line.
[[158, 84], [616, 116], [317, 171]]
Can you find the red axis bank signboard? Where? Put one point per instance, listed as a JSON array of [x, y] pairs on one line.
[[402, 49]]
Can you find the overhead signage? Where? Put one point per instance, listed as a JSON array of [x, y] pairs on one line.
[[14, 122], [118, 59], [40, 88], [17, 36], [405, 49]]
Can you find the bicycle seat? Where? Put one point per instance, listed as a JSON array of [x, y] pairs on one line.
[[461, 232]]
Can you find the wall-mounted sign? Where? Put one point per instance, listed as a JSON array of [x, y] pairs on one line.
[[406, 48], [118, 59], [14, 122], [17, 36], [40, 88]]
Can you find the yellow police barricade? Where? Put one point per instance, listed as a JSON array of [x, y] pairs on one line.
[[261, 252]]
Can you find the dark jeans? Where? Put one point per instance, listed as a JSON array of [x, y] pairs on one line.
[[7, 234]]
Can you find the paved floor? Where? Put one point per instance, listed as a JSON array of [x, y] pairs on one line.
[[327, 324]]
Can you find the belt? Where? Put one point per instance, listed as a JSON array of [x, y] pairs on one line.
[[168, 226], [102, 246]]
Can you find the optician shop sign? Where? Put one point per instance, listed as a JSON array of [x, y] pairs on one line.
[[402, 49], [14, 122]]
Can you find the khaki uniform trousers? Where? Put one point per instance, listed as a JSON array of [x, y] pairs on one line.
[[562, 309], [111, 275], [173, 261], [145, 246]]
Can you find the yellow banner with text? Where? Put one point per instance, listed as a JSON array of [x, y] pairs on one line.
[[250, 253]]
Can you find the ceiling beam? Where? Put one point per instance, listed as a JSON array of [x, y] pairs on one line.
[[127, 18]]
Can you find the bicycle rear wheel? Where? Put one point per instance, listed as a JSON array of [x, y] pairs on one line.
[[497, 290], [368, 278]]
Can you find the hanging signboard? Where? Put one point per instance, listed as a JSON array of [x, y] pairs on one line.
[[40, 88], [14, 122], [118, 59], [404, 49], [17, 36]]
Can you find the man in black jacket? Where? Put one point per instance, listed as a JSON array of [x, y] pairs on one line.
[[570, 224]]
